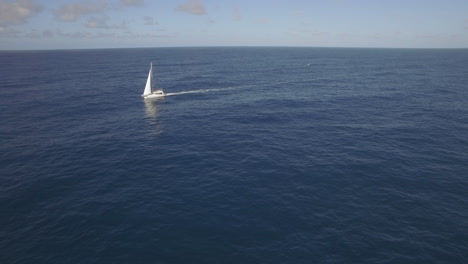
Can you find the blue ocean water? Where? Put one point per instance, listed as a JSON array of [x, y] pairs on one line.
[[258, 155]]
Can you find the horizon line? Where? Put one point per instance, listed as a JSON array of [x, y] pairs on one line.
[[238, 46]]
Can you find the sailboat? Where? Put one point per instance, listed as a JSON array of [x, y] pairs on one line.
[[149, 92]]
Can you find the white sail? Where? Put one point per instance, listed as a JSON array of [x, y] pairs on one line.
[[148, 88], [149, 92]]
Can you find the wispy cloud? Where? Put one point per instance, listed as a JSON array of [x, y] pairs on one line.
[[308, 33], [339, 2], [297, 13], [72, 11], [101, 22], [236, 16], [126, 35], [146, 35], [194, 7], [17, 12], [150, 21], [5, 33], [348, 35], [48, 34], [34, 34], [305, 24], [75, 35], [262, 20], [131, 2]]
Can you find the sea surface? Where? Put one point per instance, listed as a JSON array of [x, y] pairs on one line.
[[257, 155]]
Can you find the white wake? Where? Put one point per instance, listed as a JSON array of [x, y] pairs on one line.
[[203, 91], [223, 89]]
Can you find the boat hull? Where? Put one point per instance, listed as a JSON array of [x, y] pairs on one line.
[[155, 94]]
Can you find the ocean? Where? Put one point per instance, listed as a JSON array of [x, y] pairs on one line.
[[257, 155]]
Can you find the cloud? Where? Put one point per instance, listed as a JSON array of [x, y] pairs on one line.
[[149, 21], [430, 36], [7, 33], [262, 20], [236, 16], [339, 2], [32, 34], [72, 11], [80, 35], [131, 2], [297, 13], [348, 35], [308, 33], [94, 22], [194, 7], [75, 35], [147, 35], [17, 12], [126, 35], [315, 33], [47, 34]]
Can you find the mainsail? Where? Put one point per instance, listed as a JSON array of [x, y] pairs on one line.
[[148, 88]]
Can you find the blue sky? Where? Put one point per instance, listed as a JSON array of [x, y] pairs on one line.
[[60, 24]]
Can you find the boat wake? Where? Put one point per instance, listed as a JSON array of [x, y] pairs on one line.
[[189, 92], [222, 89], [201, 91]]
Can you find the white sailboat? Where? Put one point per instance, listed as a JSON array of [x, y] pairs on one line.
[[149, 92]]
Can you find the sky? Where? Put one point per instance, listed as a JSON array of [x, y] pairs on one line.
[[80, 24]]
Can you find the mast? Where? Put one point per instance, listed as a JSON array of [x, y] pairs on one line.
[[151, 71]]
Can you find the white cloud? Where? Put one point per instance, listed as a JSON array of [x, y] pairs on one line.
[[17, 12], [194, 7], [72, 11]]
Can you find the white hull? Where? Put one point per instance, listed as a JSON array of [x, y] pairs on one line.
[[155, 94]]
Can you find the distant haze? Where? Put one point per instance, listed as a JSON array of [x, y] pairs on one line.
[[76, 24]]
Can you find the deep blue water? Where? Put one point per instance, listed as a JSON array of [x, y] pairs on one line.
[[255, 157]]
